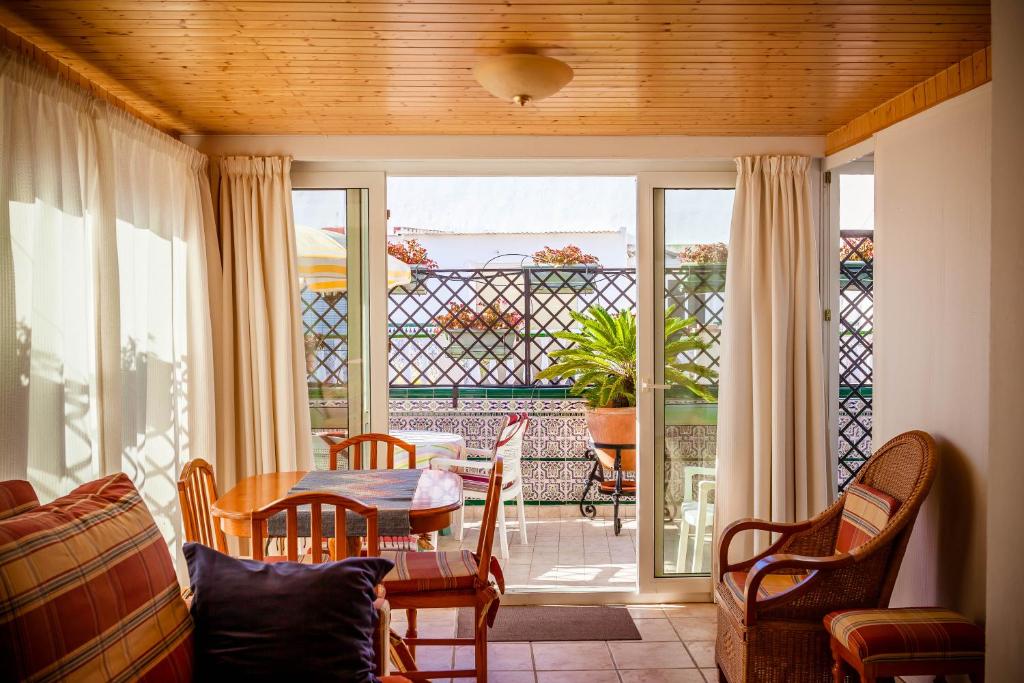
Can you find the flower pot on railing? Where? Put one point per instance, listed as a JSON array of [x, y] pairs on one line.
[[417, 287], [461, 344], [568, 279], [701, 278]]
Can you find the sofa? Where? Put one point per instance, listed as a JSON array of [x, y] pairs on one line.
[[88, 590]]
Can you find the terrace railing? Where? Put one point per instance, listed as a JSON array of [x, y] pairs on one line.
[[856, 333], [537, 301]]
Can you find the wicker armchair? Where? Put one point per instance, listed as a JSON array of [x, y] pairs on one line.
[[772, 632]]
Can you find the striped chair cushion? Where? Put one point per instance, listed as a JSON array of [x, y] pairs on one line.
[[16, 496], [478, 482], [906, 634], [866, 511], [772, 585], [87, 592], [430, 571]]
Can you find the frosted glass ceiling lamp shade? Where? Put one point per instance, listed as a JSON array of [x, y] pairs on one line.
[[522, 78]]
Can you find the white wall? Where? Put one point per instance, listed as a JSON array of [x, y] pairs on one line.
[[1004, 616], [932, 314]]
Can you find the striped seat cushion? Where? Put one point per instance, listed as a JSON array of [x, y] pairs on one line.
[[906, 634], [478, 482], [429, 571], [16, 496], [88, 593], [772, 585], [866, 511]]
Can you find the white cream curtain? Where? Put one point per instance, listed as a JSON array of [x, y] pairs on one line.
[[105, 337], [261, 389], [771, 411]]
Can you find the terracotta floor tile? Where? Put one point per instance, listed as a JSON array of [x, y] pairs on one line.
[[598, 676], [650, 655], [500, 657], [661, 676], [656, 629], [703, 652], [695, 628], [572, 656]]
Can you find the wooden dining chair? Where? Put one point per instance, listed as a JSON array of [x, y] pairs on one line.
[[353, 446], [197, 492], [457, 578], [315, 500]]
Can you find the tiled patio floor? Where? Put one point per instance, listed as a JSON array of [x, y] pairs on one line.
[[566, 551], [677, 646]]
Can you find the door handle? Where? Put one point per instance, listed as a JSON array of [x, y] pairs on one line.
[[650, 386]]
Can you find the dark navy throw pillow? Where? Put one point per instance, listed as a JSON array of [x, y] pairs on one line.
[[261, 621]]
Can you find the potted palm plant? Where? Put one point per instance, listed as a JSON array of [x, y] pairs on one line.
[[601, 362], [568, 269]]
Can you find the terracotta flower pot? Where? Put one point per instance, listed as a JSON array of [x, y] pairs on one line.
[[614, 425]]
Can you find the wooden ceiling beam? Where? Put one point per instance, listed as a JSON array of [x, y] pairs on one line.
[[967, 74]]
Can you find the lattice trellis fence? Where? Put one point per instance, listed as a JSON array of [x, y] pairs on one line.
[[325, 331], [856, 331]]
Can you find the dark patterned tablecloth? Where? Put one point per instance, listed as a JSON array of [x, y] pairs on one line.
[[390, 491]]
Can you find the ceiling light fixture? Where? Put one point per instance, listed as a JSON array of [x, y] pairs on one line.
[[522, 78]]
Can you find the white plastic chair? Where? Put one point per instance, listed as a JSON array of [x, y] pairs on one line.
[[474, 473], [696, 516]]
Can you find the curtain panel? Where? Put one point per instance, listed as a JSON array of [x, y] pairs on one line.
[[105, 335], [771, 410], [262, 398]]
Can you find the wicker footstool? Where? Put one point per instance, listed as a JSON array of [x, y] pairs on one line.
[[912, 641]]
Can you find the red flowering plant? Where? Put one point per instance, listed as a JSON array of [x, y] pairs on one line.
[[412, 253], [713, 252], [497, 315], [864, 251], [570, 255]]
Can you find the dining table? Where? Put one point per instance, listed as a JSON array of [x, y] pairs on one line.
[[436, 496]]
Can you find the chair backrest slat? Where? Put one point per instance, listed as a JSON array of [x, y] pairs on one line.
[[489, 518], [316, 500], [197, 492], [353, 446]]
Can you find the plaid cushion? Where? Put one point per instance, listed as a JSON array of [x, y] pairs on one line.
[[87, 592], [430, 571], [866, 511], [906, 634], [772, 585], [16, 496]]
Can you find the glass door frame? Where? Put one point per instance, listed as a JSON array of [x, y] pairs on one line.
[[650, 298], [373, 276]]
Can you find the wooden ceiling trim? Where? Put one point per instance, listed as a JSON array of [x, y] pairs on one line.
[[51, 63], [957, 79]]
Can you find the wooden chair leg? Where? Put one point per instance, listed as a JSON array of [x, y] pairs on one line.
[[838, 675], [480, 642], [410, 629]]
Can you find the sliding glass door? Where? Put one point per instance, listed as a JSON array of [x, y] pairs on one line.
[[682, 279], [333, 218]]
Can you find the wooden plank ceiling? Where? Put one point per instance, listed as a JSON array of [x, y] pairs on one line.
[[685, 67]]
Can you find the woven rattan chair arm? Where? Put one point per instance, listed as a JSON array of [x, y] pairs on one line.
[[817, 569], [784, 529]]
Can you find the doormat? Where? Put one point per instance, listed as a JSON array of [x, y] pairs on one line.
[[561, 622]]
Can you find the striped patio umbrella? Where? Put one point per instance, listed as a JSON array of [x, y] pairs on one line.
[[323, 262]]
